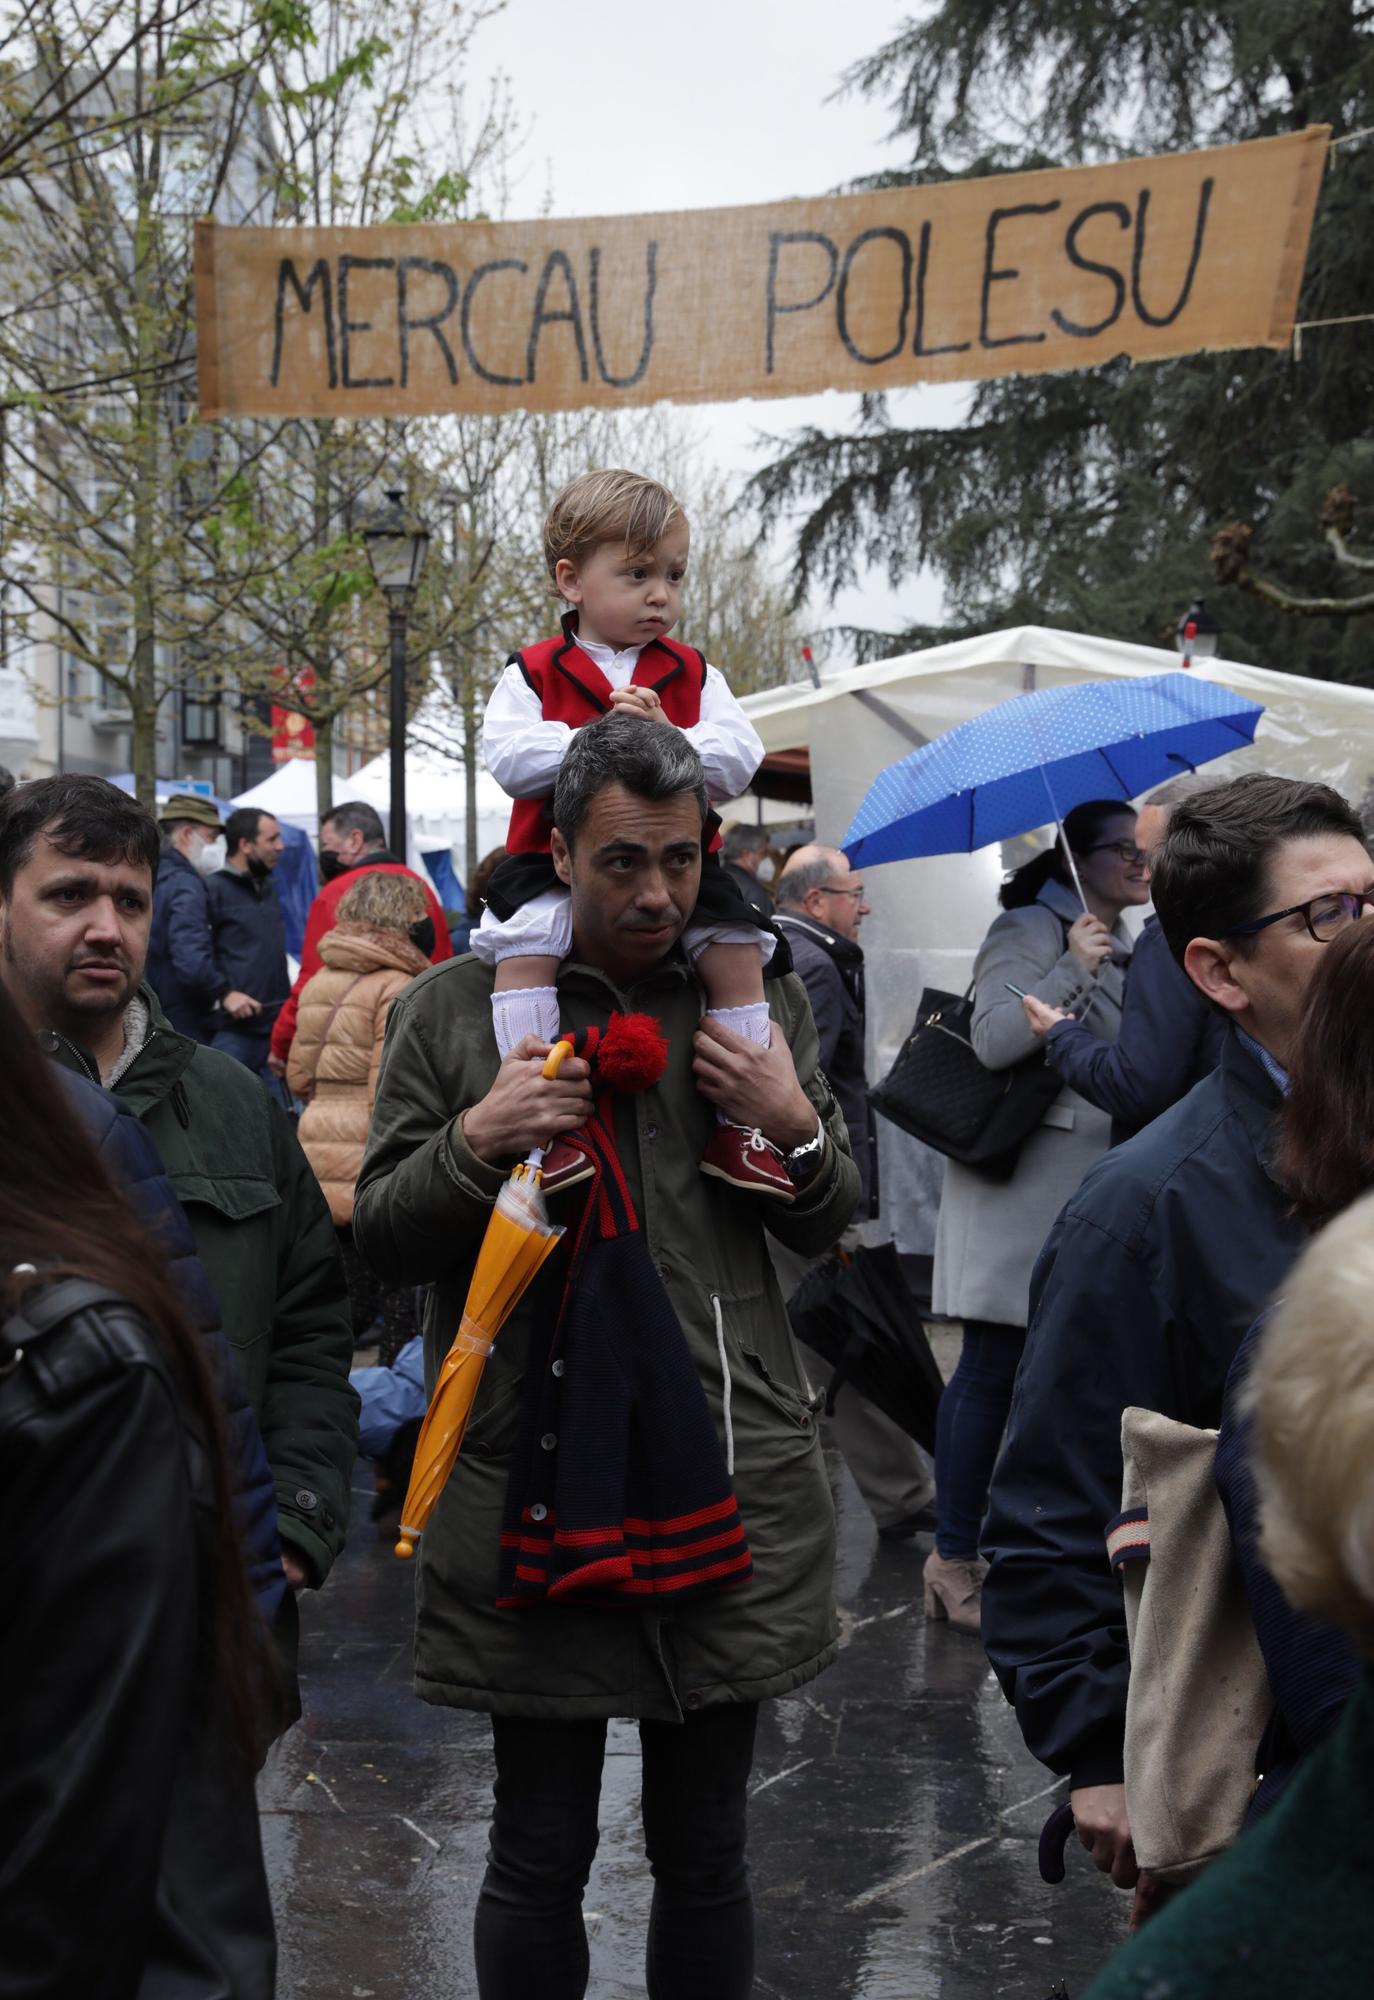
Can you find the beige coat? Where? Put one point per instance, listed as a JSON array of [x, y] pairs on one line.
[[338, 1049]]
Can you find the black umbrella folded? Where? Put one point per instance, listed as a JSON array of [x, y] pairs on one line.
[[856, 1311]]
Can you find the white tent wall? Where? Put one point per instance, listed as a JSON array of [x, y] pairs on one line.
[[929, 916]]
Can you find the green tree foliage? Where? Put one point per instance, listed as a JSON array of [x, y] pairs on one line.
[[1089, 500]]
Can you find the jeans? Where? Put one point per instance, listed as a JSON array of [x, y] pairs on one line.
[[968, 1432], [252, 1050], [529, 1936]]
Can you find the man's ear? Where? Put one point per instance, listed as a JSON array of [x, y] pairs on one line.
[[562, 857], [1209, 964]]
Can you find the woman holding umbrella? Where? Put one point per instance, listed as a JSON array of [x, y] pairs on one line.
[[1069, 952]]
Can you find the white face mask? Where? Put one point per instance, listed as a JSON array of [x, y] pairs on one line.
[[209, 856], [768, 868]]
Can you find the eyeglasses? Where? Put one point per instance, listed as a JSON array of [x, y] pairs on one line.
[[1325, 916], [832, 889], [1127, 849]]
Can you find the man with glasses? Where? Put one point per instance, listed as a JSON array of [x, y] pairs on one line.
[[820, 906], [1156, 1268]]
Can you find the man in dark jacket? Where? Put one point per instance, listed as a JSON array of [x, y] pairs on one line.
[[76, 890], [130, 1159], [1155, 1269], [351, 839], [182, 968], [248, 933], [820, 907], [451, 1119], [742, 849], [1170, 1036]]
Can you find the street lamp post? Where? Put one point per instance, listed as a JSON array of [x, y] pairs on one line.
[[396, 543]]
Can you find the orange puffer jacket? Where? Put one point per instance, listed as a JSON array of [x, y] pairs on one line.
[[338, 1049]]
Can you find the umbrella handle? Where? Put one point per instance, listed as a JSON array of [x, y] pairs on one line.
[[1054, 1838], [556, 1057]]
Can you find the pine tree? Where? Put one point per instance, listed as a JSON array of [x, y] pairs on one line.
[[1090, 500]]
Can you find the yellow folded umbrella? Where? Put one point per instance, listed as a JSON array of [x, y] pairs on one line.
[[519, 1239]]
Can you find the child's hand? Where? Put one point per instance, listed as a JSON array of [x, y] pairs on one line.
[[639, 701]]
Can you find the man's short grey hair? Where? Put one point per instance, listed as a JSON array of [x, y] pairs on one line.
[[353, 816], [647, 758], [1175, 790], [741, 838], [795, 884]]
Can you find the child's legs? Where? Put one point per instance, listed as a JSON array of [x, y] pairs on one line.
[[732, 975], [526, 949]]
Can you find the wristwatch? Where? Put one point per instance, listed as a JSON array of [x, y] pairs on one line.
[[802, 1161]]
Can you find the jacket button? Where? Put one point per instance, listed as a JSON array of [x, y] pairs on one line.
[[651, 1131], [805, 1422], [548, 1441], [539, 1512], [665, 1271], [557, 1369], [306, 1500], [692, 1700]]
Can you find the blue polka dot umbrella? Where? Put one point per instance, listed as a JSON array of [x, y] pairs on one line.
[[1033, 758]]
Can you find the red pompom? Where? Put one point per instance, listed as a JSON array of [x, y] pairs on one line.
[[633, 1052]]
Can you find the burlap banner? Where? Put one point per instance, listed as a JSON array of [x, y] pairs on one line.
[[1021, 273]]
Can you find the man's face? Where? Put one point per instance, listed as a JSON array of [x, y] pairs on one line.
[[1264, 988], [634, 876], [74, 938], [268, 845], [348, 847], [839, 903]]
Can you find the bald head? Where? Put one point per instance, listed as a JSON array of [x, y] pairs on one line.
[[819, 883]]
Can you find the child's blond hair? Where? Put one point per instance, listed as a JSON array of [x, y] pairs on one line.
[[610, 506]]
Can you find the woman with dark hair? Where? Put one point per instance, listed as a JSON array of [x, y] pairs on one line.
[[134, 1671], [990, 1232]]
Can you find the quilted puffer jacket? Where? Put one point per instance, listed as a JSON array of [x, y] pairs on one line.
[[338, 1049]]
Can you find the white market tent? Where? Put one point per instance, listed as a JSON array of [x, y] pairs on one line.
[[929, 916], [435, 801]]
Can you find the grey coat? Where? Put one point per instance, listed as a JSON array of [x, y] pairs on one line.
[[990, 1233]]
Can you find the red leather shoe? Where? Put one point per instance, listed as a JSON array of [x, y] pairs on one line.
[[563, 1167], [742, 1156]]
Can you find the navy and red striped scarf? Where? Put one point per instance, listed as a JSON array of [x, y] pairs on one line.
[[618, 1490]]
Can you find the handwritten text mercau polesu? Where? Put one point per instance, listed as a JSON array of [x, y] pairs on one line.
[[1014, 273]]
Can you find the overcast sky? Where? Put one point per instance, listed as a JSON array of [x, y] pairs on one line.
[[627, 106]]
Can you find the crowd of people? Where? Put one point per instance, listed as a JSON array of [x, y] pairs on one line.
[[220, 1182]]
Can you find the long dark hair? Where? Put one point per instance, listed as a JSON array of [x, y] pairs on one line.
[[1082, 827], [1325, 1154], [60, 1212]]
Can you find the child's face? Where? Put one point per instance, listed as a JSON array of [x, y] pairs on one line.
[[625, 599]]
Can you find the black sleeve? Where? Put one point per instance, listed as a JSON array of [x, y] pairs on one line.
[[825, 991], [1054, 1623], [98, 1573]]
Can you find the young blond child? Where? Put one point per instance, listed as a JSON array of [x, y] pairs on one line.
[[616, 546]]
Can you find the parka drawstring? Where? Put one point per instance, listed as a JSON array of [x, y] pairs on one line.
[[725, 1386]]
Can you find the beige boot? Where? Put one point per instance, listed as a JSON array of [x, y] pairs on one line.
[[954, 1590]]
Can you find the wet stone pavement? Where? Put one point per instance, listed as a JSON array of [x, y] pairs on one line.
[[893, 1826]]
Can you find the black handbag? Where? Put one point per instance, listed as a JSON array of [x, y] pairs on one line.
[[939, 1091]]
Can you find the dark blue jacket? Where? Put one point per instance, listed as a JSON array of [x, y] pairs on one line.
[[1313, 1667], [131, 1160], [1169, 1039], [182, 969], [248, 935], [1143, 1293]]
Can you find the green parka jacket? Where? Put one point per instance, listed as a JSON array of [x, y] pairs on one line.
[[423, 1202], [263, 1232]]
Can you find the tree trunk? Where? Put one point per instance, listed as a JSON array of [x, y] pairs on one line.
[[144, 693], [324, 766], [470, 766]]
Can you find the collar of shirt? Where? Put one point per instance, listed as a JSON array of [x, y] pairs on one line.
[[617, 667], [1271, 1066]]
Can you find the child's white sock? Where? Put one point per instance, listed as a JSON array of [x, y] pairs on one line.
[[752, 1022], [525, 1010]]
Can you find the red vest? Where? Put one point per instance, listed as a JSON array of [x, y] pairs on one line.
[[572, 689]]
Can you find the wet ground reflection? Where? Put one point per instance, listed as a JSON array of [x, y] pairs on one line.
[[893, 1825]]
